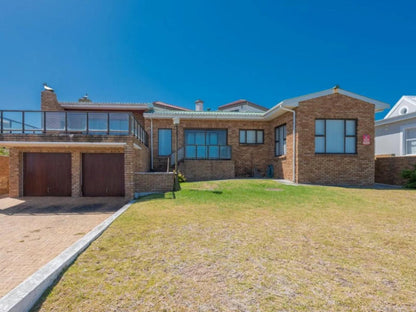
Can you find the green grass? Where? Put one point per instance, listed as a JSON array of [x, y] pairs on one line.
[[250, 245]]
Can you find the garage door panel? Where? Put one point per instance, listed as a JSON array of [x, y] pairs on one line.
[[47, 174], [103, 174]]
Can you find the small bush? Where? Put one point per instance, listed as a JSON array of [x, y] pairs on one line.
[[410, 175], [181, 177]]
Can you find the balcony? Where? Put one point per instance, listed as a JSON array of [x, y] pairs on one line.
[[71, 122]]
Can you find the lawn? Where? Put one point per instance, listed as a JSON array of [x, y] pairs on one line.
[[250, 245]]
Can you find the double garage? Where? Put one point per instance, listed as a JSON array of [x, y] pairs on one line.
[[52, 174]]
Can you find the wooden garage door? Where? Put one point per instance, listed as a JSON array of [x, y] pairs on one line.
[[102, 174], [47, 174]]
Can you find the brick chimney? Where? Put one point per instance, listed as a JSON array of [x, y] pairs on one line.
[[199, 105], [49, 101]]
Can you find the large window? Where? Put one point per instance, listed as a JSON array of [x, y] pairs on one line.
[[335, 136], [251, 137], [280, 140], [410, 141], [206, 144], [165, 142]]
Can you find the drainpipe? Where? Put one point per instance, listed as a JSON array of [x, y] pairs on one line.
[[151, 143], [294, 140]]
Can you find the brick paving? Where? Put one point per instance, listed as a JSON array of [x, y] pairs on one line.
[[35, 230]]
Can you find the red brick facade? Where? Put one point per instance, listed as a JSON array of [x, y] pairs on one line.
[[246, 159], [357, 169], [136, 156], [332, 169], [389, 168], [153, 182], [4, 174]]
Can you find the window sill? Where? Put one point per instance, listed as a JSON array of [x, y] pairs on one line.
[[336, 154], [250, 144], [281, 157]]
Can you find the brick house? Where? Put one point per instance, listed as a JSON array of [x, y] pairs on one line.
[[101, 149]]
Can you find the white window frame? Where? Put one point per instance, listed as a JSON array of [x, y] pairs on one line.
[[405, 139]]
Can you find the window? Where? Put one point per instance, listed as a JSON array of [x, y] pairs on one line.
[[251, 136], [403, 111], [206, 144], [335, 136], [165, 142], [410, 138], [280, 140]]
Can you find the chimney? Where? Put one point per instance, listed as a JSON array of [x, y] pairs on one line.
[[199, 105], [49, 101], [85, 98]]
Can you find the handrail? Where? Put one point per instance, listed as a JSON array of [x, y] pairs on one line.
[[72, 122]]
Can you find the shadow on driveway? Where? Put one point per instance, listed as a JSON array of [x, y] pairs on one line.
[[60, 205]]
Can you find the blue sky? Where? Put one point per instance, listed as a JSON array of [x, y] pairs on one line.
[[219, 51]]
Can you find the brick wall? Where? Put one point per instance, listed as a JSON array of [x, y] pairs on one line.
[[4, 174], [136, 157], [338, 169], [389, 168], [153, 182], [247, 158], [200, 170]]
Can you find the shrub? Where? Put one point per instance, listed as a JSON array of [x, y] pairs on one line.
[[181, 177], [410, 175]]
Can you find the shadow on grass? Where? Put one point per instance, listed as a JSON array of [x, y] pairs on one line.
[[167, 195], [206, 191]]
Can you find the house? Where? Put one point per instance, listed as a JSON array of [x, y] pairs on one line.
[[396, 133], [86, 148]]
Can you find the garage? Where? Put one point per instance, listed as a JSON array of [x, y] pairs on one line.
[[103, 174], [46, 174]]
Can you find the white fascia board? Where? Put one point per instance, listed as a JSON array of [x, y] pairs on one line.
[[60, 144], [294, 102], [379, 106], [395, 119], [105, 106], [399, 102], [205, 116], [404, 98]]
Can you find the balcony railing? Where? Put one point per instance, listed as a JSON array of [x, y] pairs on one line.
[[72, 122]]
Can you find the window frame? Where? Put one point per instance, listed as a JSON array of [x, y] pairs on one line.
[[245, 136], [406, 139], [158, 142], [344, 137], [206, 131], [277, 140]]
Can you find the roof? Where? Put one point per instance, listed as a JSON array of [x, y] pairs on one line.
[[169, 106], [107, 105], [240, 102], [410, 99], [391, 120], [273, 112]]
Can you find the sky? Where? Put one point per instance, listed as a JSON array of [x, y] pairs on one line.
[[218, 50]]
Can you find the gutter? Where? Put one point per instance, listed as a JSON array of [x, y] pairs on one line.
[[294, 139], [151, 143]]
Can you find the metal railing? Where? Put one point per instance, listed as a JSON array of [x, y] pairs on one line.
[[71, 122]]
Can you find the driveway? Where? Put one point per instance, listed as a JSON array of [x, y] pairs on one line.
[[34, 230]]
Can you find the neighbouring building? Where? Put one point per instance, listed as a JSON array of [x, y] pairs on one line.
[[396, 142], [396, 133], [86, 148]]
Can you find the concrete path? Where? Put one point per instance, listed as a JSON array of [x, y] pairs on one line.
[[34, 230]]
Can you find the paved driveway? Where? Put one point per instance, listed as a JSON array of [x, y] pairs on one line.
[[34, 230]]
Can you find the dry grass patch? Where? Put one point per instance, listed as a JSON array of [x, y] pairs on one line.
[[235, 246]]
